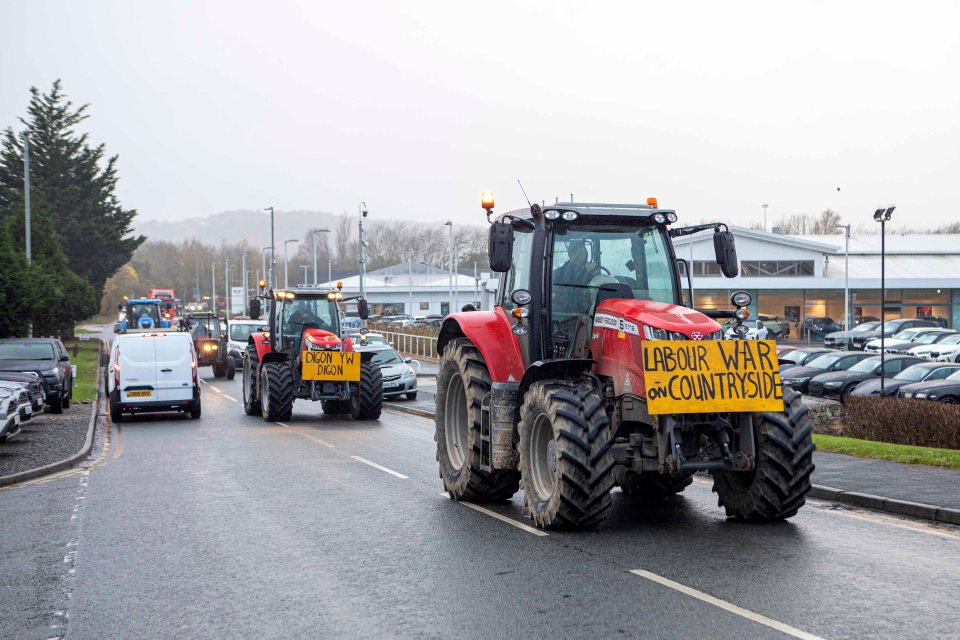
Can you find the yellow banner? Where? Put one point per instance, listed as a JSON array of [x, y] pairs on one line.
[[693, 376], [331, 366]]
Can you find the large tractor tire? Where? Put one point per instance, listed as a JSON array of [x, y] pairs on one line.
[[218, 370], [230, 368], [462, 382], [366, 396], [251, 376], [566, 467], [778, 485], [276, 391], [653, 485], [335, 407]]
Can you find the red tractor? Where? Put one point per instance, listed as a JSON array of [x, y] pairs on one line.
[[559, 390], [300, 355]]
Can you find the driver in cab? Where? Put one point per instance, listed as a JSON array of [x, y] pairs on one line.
[[577, 271], [302, 318]]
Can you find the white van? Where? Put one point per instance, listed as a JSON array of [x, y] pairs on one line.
[[150, 372]]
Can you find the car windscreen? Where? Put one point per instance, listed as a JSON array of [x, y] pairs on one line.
[[866, 326], [951, 339], [868, 365], [928, 338], [241, 332], [913, 373], [825, 361], [27, 351], [387, 356]]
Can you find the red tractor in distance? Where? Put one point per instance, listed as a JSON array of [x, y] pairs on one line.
[[549, 391], [300, 355]]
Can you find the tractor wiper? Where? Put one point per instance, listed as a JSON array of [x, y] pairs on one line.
[[585, 286]]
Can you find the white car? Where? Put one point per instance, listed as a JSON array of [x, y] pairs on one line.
[[149, 372], [238, 334], [901, 339], [756, 330], [22, 395], [9, 416], [947, 345]]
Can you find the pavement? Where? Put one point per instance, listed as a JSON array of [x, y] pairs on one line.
[[45, 439], [228, 526]]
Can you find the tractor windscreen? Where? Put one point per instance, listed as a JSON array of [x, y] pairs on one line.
[[138, 311], [630, 262], [308, 313]]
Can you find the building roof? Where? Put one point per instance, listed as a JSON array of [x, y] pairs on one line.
[[906, 244], [814, 243], [404, 276]]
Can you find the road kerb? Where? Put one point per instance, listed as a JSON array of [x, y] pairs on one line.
[[69, 461]]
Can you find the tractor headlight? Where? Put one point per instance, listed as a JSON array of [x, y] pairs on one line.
[[551, 215], [676, 335], [570, 216], [652, 333], [659, 218], [716, 335]]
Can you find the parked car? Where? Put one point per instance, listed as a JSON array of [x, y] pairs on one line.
[[921, 372], [46, 357], [399, 377], [799, 377], [799, 357], [238, 335], [149, 372], [9, 416], [946, 391], [33, 384], [368, 339], [839, 384], [888, 328], [756, 330], [928, 343], [903, 339], [24, 405], [816, 327], [842, 339]]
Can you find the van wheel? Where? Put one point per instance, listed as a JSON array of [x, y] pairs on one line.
[[231, 369], [115, 415], [195, 411]]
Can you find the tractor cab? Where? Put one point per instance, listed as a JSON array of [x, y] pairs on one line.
[[210, 343], [142, 314], [304, 318]]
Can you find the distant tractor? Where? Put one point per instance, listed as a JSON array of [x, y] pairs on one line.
[[589, 373], [141, 314], [301, 356], [210, 343]]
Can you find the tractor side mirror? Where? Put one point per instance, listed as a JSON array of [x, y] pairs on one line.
[[500, 248], [726, 250], [363, 309]]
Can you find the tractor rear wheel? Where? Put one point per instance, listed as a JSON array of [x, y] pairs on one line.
[[777, 486], [335, 407], [366, 396], [653, 485], [462, 382], [251, 374], [566, 467], [276, 391], [230, 370]]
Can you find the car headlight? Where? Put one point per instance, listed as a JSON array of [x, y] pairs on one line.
[[931, 396], [50, 372], [833, 385], [790, 380], [906, 394], [920, 394]]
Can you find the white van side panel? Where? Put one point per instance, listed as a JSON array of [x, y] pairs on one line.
[[174, 373], [138, 370]]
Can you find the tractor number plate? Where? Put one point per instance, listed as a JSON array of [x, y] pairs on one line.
[[331, 366], [704, 376]]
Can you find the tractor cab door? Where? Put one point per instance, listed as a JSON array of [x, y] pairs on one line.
[[519, 278]]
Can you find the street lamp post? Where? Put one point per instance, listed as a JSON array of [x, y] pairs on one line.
[[449, 223], [314, 232], [227, 298], [273, 251], [305, 268], [286, 261], [882, 216], [213, 283], [765, 215], [243, 278], [846, 280], [26, 209], [362, 207]]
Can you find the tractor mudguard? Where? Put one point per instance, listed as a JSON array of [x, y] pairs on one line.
[[490, 332], [262, 343]]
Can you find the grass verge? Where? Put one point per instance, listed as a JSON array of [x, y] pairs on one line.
[[85, 384], [908, 454]]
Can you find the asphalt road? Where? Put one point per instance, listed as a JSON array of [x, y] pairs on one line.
[[326, 528]]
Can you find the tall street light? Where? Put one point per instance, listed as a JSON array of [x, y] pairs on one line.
[[882, 216], [26, 209], [286, 261], [314, 232], [273, 252], [846, 280], [449, 223], [362, 207], [764, 216]]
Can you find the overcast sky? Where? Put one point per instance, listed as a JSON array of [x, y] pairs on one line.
[[417, 107]]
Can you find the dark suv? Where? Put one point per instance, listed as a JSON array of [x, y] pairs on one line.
[[890, 327], [48, 358]]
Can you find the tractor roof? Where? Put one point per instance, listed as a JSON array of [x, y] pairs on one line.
[[302, 292], [598, 210]]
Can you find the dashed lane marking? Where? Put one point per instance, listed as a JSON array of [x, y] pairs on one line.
[[308, 436], [500, 517], [726, 606], [382, 468], [231, 398], [217, 390]]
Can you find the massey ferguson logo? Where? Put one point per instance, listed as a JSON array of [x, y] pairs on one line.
[[696, 335]]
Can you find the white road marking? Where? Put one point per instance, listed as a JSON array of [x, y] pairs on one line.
[[217, 390], [310, 437], [232, 399], [726, 606], [501, 518], [382, 468]]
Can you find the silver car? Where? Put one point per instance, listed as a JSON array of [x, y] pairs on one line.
[[399, 377], [9, 415]]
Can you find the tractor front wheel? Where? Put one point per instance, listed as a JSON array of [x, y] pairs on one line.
[[566, 467], [218, 371], [230, 370], [251, 374], [366, 396], [462, 382], [777, 486], [276, 391]]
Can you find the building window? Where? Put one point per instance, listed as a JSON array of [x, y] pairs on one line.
[[424, 306], [776, 268]]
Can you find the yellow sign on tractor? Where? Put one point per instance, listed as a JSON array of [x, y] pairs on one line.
[[706, 376], [331, 366]]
